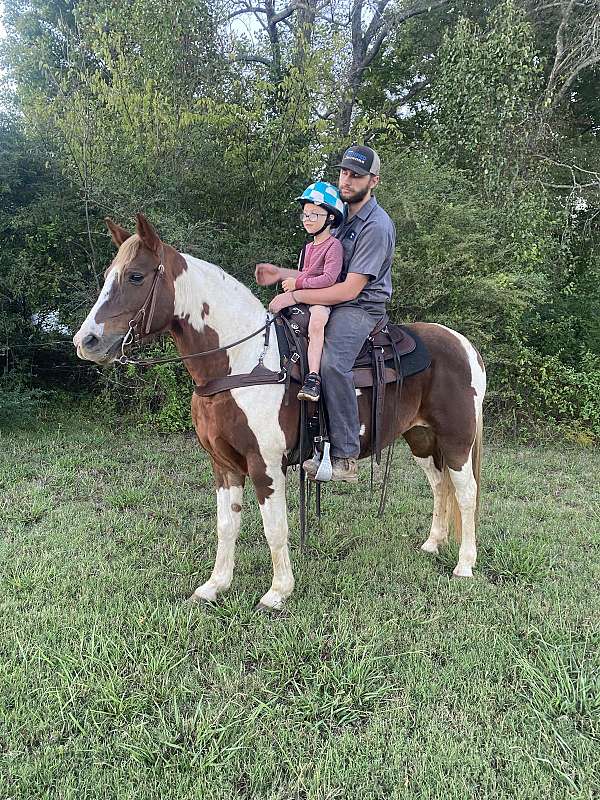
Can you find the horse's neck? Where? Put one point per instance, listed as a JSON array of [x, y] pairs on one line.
[[213, 309]]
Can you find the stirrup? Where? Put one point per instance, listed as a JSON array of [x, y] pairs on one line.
[[325, 468]]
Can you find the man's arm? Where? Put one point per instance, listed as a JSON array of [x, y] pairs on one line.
[[332, 295], [288, 273]]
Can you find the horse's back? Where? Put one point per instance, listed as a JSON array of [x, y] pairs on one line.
[[449, 347]]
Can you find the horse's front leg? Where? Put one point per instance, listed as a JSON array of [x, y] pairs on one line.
[[270, 490], [230, 489]]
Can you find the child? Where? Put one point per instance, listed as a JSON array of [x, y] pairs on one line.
[[320, 265]]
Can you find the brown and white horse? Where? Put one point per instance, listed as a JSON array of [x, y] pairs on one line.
[[247, 431]]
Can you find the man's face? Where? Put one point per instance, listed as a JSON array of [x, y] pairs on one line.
[[354, 187]]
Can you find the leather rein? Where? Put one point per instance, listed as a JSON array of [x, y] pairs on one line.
[[141, 325]]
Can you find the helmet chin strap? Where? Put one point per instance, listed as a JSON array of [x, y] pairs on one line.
[[328, 220]]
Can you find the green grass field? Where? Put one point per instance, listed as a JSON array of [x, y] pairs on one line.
[[384, 678]]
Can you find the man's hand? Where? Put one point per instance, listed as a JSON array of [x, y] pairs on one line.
[[289, 284], [266, 274], [280, 302]]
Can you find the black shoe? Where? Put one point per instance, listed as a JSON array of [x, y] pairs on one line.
[[311, 389]]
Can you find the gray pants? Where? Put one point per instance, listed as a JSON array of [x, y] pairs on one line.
[[346, 331]]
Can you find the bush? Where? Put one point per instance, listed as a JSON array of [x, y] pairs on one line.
[[19, 404], [544, 387]]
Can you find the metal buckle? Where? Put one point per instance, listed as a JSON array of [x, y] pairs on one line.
[[295, 357]]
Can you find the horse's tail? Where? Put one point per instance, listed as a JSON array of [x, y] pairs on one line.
[[449, 503], [477, 455]]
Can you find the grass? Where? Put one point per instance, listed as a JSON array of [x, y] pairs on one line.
[[384, 677]]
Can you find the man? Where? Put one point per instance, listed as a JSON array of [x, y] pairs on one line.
[[368, 237]]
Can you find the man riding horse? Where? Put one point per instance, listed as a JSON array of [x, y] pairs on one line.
[[359, 302]]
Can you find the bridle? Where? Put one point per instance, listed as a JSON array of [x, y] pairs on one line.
[[141, 325]]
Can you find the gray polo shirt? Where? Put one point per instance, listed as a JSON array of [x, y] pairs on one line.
[[369, 239]]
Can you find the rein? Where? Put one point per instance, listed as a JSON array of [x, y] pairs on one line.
[[123, 359], [140, 318]]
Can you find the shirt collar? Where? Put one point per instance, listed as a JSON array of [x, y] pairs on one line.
[[365, 212]]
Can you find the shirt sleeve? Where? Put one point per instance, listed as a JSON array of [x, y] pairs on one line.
[[334, 258], [371, 250]]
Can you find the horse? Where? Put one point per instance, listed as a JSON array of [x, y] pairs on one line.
[[248, 431]]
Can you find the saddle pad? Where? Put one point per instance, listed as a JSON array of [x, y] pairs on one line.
[[419, 359]]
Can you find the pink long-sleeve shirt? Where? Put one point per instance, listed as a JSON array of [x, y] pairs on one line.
[[322, 264]]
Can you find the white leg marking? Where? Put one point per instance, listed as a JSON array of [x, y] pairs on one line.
[[466, 496], [439, 523], [229, 517], [362, 430], [274, 515]]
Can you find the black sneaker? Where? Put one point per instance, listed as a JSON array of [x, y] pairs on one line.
[[311, 389]]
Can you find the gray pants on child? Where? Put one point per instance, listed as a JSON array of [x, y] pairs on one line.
[[346, 331]]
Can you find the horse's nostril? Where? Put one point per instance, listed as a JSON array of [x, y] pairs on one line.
[[90, 340]]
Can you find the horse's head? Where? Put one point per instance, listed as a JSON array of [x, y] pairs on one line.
[[137, 293]]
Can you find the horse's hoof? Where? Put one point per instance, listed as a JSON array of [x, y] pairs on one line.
[[198, 600], [271, 601], [462, 572], [430, 547], [263, 609]]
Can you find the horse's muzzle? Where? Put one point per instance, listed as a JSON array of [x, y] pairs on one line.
[[100, 351]]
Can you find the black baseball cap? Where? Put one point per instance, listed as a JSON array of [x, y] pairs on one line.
[[360, 159]]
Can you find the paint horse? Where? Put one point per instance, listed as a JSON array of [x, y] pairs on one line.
[[248, 431]]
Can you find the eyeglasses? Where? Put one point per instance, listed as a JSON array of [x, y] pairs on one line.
[[313, 217]]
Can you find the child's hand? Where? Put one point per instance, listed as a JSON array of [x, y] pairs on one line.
[[289, 284], [266, 274]]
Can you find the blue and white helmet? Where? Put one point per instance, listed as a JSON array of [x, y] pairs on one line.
[[324, 194]]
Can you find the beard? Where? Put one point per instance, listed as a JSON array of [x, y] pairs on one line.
[[354, 197]]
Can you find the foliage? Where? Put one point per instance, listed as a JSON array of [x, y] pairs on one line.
[[18, 404], [483, 120]]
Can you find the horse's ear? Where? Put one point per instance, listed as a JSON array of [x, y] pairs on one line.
[[147, 234], [119, 234]]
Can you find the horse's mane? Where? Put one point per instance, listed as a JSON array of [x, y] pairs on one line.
[[130, 248], [233, 283]]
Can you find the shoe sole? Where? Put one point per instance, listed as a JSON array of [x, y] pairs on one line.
[[302, 396], [353, 479]]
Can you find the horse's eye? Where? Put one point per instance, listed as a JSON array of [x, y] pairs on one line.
[[136, 278]]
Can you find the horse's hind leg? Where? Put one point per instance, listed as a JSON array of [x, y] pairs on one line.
[[465, 487], [423, 445], [439, 523], [230, 489]]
